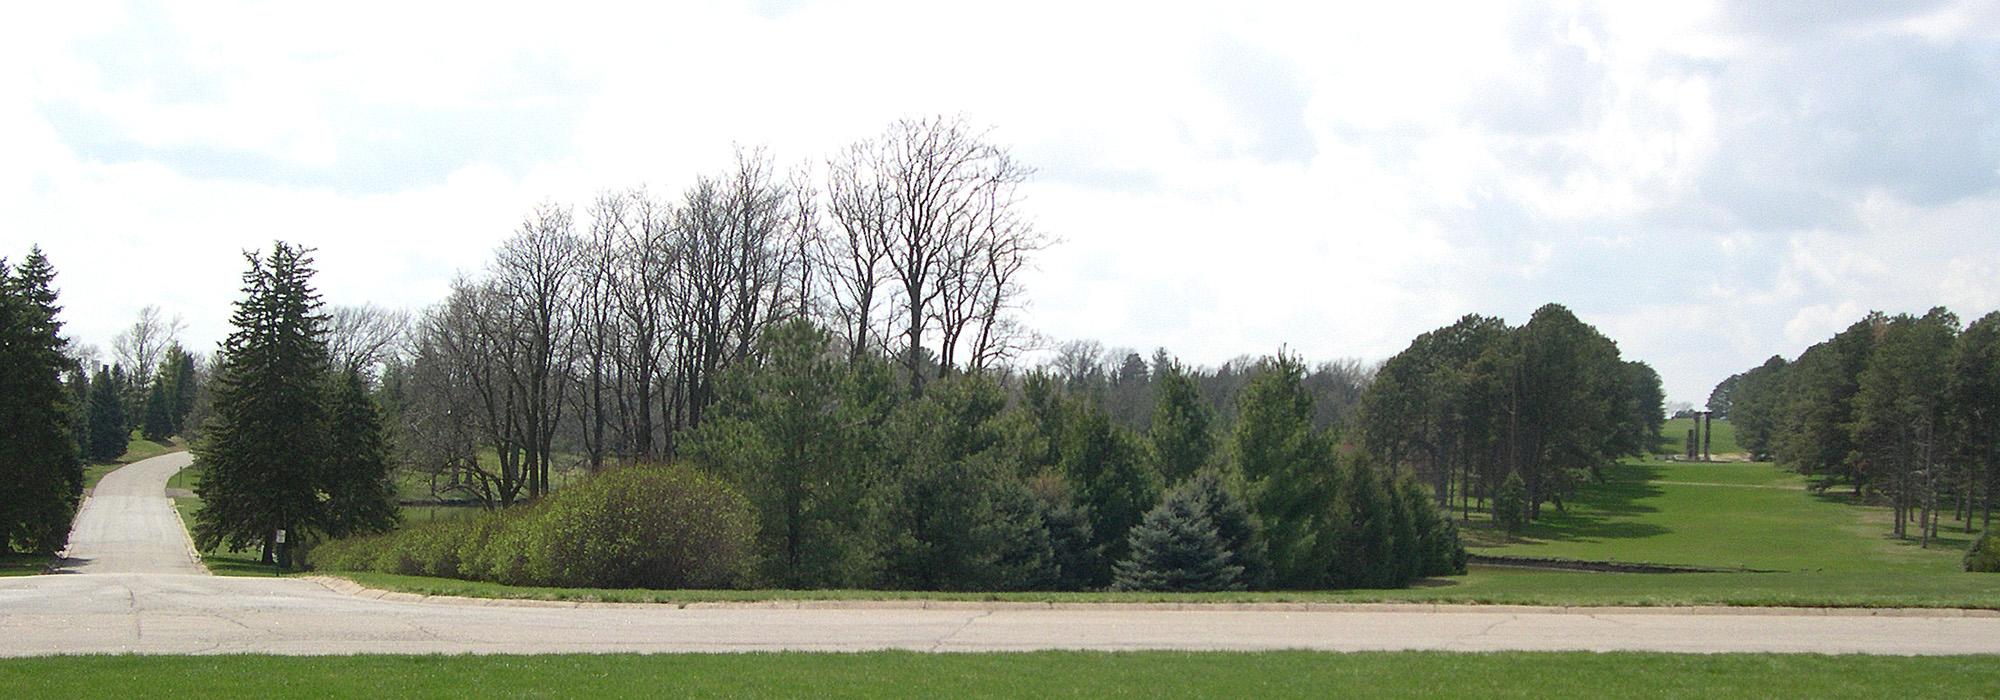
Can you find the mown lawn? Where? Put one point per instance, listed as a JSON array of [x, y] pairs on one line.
[[1039, 674], [1483, 585], [1742, 515], [220, 561], [1673, 437]]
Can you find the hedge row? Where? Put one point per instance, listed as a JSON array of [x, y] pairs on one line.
[[632, 527]]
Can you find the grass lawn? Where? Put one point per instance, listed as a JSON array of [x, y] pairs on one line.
[[1038, 674], [221, 561], [1483, 585], [13, 564], [1673, 437], [1721, 515]]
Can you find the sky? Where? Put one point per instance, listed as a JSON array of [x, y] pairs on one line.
[[1707, 183]]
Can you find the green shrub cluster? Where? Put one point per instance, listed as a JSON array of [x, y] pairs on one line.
[[1984, 556], [632, 527]]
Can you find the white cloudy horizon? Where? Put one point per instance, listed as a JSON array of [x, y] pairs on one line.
[[1707, 183]]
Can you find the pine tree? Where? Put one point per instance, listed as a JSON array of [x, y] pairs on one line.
[[1290, 474], [264, 448], [360, 488], [38, 457], [1112, 472], [1222, 496], [1183, 442], [1510, 503], [181, 381], [159, 423], [1178, 548], [108, 433]]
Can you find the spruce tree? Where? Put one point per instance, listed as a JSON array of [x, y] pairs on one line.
[[181, 385], [359, 485], [1112, 472], [1182, 439], [263, 451], [108, 433], [1222, 496], [159, 420], [1178, 548], [38, 455]]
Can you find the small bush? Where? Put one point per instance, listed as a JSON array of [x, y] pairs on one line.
[[1984, 556]]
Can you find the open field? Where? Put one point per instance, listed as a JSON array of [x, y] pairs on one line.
[[1673, 437], [1041, 674], [1743, 515]]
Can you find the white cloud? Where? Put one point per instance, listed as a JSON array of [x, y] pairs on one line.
[[1710, 184]]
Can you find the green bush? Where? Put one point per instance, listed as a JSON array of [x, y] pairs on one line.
[[641, 527], [1984, 556], [1510, 504], [647, 526]]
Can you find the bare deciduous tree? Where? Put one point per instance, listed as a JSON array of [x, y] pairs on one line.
[[141, 344]]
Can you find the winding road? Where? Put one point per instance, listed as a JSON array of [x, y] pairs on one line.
[[135, 587]]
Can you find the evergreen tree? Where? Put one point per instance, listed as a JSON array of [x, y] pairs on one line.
[[1076, 557], [1182, 438], [38, 455], [1974, 405], [799, 431], [360, 487], [159, 423], [1221, 496], [1510, 503], [264, 449], [1177, 548], [1289, 473], [1112, 472], [181, 381], [108, 433]]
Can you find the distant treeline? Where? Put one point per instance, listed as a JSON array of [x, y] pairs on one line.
[[1902, 408]]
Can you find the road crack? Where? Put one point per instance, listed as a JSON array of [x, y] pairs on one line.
[[961, 628]]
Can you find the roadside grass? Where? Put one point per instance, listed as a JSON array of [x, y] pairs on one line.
[[220, 561], [1720, 515], [1037, 674], [1481, 586], [16, 564]]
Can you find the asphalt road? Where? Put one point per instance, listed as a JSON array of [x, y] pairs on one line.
[[152, 605]]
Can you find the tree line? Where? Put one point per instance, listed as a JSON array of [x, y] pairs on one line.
[[1901, 408], [1481, 411]]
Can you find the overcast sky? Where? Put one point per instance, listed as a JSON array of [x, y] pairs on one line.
[[1709, 185]]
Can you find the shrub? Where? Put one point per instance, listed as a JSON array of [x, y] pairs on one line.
[[1178, 548], [638, 527], [1984, 556]]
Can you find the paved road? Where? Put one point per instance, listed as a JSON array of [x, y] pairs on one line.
[[127, 525], [94, 612]]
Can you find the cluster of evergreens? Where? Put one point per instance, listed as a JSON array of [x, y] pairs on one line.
[[38, 453], [1901, 408], [1521, 416], [289, 444]]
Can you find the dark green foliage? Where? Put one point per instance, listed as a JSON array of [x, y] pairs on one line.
[[1183, 440], [1428, 411], [108, 434], [1290, 474], [1510, 503], [1221, 496], [360, 488], [39, 464], [182, 385], [1076, 557], [159, 423], [629, 527], [1178, 548], [264, 449], [1112, 472], [1973, 403], [1757, 404], [961, 517], [1817, 406], [798, 432], [1984, 555]]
